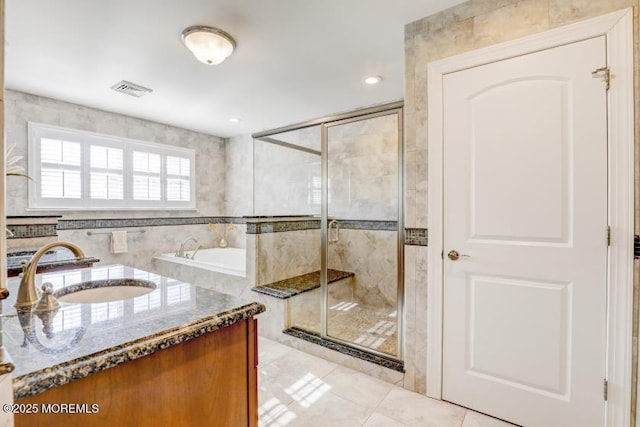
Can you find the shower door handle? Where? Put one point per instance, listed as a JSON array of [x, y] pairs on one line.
[[336, 234], [454, 255]]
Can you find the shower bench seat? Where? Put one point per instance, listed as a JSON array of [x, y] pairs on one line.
[[292, 286]]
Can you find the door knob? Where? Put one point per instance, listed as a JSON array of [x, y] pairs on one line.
[[454, 255]]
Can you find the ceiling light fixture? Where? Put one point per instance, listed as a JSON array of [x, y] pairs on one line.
[[208, 45], [234, 120], [373, 80]]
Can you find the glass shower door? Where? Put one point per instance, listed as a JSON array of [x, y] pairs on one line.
[[362, 289]]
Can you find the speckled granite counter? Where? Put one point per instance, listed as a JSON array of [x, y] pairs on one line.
[[80, 339], [54, 259], [287, 288]]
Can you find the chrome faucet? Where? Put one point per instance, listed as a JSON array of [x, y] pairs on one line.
[[27, 293], [193, 255], [180, 253]]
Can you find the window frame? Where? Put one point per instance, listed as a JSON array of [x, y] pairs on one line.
[[37, 131]]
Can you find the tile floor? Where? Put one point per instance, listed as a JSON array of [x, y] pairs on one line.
[[371, 327], [298, 389]]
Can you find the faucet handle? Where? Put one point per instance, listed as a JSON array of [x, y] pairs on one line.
[[47, 301]]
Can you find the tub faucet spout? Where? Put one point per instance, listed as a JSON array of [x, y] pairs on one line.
[[193, 254], [180, 253]]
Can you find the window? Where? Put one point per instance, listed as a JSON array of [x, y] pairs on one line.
[[74, 169]]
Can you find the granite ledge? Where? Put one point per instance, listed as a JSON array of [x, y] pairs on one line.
[[55, 259], [293, 286], [63, 373]]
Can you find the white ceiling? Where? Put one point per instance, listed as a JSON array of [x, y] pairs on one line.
[[295, 59]]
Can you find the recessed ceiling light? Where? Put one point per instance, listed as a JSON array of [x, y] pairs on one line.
[[234, 120], [373, 80]]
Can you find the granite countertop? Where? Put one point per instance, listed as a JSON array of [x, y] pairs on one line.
[[80, 339], [292, 286], [53, 259]]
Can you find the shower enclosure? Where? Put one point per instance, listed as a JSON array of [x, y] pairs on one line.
[[337, 183]]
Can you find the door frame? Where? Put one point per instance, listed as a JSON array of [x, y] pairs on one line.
[[618, 29]]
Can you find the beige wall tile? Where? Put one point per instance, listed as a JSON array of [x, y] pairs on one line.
[[562, 12], [239, 176], [210, 150], [512, 21]]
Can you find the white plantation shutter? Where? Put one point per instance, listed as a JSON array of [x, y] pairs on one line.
[[81, 170], [60, 176], [146, 176], [107, 174], [178, 179]]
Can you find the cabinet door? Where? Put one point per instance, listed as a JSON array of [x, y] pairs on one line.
[[208, 380]]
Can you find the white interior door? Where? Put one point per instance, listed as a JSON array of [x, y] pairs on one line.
[[525, 197]]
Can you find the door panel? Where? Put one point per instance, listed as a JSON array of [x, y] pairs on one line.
[[539, 343], [513, 112], [363, 210], [525, 197]]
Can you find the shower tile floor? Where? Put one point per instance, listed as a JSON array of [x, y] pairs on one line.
[[298, 389], [370, 327]]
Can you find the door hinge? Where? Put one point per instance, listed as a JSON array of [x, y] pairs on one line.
[[606, 389], [608, 235], [606, 72]]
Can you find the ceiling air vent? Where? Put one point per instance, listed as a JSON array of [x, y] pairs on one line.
[[129, 88]]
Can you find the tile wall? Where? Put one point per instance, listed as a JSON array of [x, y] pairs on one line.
[[22, 108], [363, 169], [287, 181], [238, 189]]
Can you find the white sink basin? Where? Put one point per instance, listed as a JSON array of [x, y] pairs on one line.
[[97, 291]]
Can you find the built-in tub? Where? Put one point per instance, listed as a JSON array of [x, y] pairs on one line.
[[231, 261]]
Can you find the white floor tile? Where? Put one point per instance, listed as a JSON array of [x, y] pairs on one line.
[[298, 389], [275, 387], [268, 351], [299, 364], [379, 420], [416, 410], [273, 413], [474, 419], [327, 409], [357, 387]]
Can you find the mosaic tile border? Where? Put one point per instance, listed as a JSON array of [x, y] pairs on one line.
[[413, 236], [386, 362], [278, 226], [351, 224], [261, 226], [416, 236], [28, 231], [81, 224], [636, 246]]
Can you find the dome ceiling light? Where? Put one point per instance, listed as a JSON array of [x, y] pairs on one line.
[[209, 45]]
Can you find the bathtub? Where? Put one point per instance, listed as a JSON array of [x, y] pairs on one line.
[[230, 261]]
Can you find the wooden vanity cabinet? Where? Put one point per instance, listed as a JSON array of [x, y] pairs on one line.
[[206, 381]]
